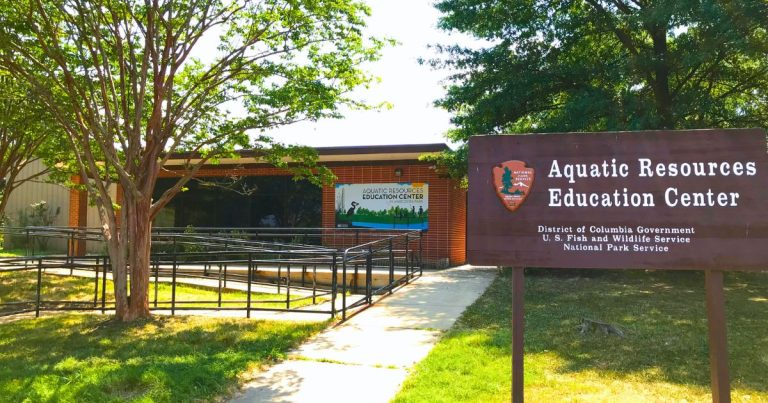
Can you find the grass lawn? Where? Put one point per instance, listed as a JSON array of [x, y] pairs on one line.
[[91, 358], [21, 286], [663, 357], [11, 252]]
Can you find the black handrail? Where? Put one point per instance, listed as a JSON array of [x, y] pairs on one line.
[[246, 264]]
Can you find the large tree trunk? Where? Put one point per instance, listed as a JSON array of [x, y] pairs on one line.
[[138, 230], [117, 252]]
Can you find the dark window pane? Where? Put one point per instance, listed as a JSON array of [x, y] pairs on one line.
[[256, 201]]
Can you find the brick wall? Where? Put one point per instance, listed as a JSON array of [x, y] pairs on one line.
[[457, 222], [447, 205], [78, 214]]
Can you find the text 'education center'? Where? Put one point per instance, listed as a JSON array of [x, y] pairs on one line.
[[385, 187]]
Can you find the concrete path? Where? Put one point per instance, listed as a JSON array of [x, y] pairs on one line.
[[367, 358]]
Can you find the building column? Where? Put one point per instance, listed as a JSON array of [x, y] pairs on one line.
[[78, 214]]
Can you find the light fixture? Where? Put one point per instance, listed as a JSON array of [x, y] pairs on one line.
[[398, 172]]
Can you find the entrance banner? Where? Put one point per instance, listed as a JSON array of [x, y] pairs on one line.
[[402, 205]]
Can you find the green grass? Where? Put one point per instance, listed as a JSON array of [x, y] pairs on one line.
[[663, 357], [90, 358], [21, 286], [11, 252]]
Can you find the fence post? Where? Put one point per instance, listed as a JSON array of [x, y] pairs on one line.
[[314, 284], [157, 274], [421, 252], [106, 263], [344, 287], [369, 275], [391, 266], [71, 259], [219, 285], [206, 264], [288, 288], [333, 286], [250, 276], [357, 274], [226, 266], [173, 286], [96, 284], [39, 286], [407, 261]]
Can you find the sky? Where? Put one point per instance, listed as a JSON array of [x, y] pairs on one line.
[[411, 88]]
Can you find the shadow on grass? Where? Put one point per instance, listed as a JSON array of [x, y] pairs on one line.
[[91, 358], [663, 314], [18, 291], [17, 287]]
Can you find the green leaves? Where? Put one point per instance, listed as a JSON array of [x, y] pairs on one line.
[[27, 133], [593, 65], [299, 160], [130, 85]]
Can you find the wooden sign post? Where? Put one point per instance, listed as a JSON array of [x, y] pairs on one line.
[[677, 200], [518, 329], [718, 342]]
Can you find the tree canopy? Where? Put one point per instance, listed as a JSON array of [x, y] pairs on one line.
[[27, 134], [595, 65], [131, 84]]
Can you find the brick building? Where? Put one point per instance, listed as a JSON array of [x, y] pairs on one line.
[[258, 194]]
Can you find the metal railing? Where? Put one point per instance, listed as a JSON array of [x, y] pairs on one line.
[[310, 270]]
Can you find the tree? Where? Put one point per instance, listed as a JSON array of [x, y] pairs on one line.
[[594, 65], [121, 78], [27, 134]]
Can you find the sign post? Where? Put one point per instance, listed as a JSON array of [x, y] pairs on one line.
[[674, 200], [518, 329], [718, 342]]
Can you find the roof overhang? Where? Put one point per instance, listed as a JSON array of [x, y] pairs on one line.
[[399, 152]]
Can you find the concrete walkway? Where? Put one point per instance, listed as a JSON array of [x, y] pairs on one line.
[[367, 358]]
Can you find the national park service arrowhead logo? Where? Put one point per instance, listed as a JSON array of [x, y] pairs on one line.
[[513, 182]]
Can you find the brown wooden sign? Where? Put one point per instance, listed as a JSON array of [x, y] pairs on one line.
[[662, 199]]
